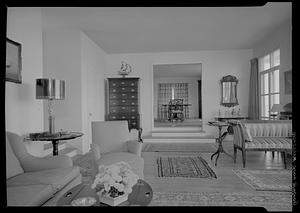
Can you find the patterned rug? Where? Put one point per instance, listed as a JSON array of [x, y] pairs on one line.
[[272, 201], [266, 180], [181, 166]]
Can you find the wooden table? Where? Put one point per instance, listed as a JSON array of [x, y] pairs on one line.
[[134, 198], [56, 138], [220, 138]]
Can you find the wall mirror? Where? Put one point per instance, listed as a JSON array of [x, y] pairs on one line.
[[229, 91]]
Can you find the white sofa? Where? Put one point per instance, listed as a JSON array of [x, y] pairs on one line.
[[111, 143], [34, 181]]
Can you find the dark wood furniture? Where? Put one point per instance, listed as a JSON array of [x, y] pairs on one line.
[[175, 110], [55, 138], [220, 138], [141, 195], [122, 101]]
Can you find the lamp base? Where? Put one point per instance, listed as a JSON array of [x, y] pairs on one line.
[[51, 124]]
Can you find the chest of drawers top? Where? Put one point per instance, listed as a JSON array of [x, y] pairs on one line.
[[123, 83]]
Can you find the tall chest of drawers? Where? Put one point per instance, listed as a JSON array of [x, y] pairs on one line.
[[122, 101]]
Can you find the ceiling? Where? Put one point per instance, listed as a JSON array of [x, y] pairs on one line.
[[168, 29], [178, 70]]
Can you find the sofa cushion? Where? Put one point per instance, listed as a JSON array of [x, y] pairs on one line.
[[29, 195], [269, 143], [57, 178], [13, 166], [136, 162]]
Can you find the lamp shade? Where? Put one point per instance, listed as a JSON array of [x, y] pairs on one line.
[[50, 89], [276, 108]]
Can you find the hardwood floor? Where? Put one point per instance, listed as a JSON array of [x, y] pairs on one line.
[[226, 180]]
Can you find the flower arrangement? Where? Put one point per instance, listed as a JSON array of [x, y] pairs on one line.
[[114, 180]]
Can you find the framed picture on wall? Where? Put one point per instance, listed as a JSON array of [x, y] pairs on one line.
[[288, 82], [13, 61]]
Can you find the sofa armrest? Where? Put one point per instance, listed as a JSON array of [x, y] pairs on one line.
[[95, 148], [135, 147], [32, 164]]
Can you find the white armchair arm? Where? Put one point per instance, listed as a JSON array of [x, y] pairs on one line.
[[135, 147], [32, 164]]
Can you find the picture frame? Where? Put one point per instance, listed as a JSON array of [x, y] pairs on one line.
[[288, 82], [13, 61]]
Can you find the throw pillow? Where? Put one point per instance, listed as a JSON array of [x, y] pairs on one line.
[[246, 132], [13, 166]]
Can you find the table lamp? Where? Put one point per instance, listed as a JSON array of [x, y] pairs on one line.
[[50, 89], [276, 109]]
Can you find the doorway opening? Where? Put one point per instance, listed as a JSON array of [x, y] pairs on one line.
[[180, 84]]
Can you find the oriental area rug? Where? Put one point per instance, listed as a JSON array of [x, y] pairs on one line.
[[266, 180], [184, 166], [271, 201]]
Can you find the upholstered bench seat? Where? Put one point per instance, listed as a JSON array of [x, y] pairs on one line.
[[262, 135], [269, 143]]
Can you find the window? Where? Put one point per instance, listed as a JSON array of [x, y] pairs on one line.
[[269, 66]]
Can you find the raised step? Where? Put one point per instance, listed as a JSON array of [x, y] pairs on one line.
[[188, 133], [71, 152], [179, 139]]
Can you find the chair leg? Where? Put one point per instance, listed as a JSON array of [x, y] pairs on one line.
[[234, 151], [272, 154], [244, 158], [284, 158]]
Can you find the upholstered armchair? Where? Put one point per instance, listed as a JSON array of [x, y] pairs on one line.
[[36, 181], [111, 143]]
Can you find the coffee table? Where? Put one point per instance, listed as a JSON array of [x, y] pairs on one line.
[[141, 195]]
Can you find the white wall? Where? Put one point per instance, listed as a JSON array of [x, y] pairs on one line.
[[71, 56], [281, 38], [24, 113], [215, 65], [62, 60], [93, 61], [192, 91]]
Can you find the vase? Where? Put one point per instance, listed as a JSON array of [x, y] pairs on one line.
[[112, 201]]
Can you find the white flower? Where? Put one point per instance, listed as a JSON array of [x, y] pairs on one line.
[[118, 175]]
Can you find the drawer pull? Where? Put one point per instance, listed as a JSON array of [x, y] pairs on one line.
[[123, 107], [114, 84], [123, 88], [123, 94], [123, 117], [114, 103], [114, 110], [132, 103], [113, 117], [123, 101], [132, 117], [114, 96], [132, 84], [133, 110], [132, 96], [122, 82], [132, 90], [114, 90]]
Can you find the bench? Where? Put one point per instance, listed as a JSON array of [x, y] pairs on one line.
[[262, 135]]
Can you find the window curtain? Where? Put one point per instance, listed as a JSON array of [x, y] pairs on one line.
[[181, 91], [253, 105], [164, 96]]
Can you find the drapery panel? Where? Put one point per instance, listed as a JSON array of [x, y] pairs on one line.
[[253, 104], [164, 96]]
